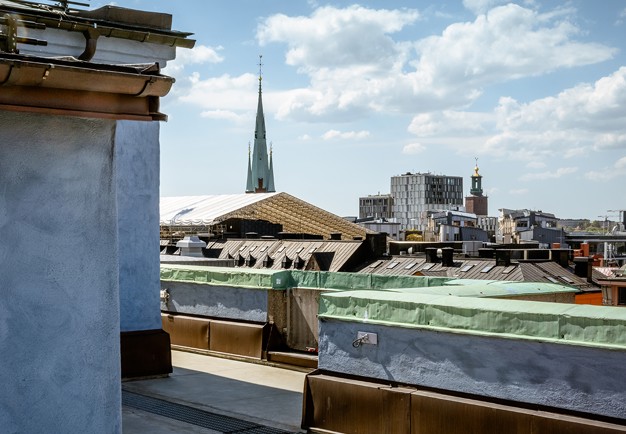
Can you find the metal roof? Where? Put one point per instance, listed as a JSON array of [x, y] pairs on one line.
[[276, 250], [295, 215], [478, 269], [108, 21], [204, 210]]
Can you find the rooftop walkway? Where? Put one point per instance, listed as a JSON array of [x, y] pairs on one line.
[[207, 395]]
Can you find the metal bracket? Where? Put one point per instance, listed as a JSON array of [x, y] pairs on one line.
[[9, 38], [365, 338]]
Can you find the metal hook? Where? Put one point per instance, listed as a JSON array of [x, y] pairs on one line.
[[358, 341]]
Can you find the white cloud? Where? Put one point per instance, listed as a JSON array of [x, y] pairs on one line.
[[449, 122], [508, 42], [226, 115], [413, 148], [350, 135], [578, 121], [223, 93], [550, 174], [616, 171], [197, 55], [355, 65], [305, 137], [333, 37], [481, 6]]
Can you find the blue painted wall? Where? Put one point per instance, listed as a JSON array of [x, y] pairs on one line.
[[59, 304], [137, 161], [579, 378]]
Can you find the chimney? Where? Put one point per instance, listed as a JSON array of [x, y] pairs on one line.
[[561, 257], [503, 257], [447, 257], [191, 246], [431, 255], [486, 253]]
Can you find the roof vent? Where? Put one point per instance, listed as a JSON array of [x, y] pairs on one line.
[[191, 246]]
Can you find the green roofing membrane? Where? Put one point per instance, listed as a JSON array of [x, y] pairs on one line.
[[226, 276], [559, 322], [283, 279], [455, 305]]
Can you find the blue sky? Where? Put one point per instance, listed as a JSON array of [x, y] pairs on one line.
[[355, 93]]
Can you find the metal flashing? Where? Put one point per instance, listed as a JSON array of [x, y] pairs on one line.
[[72, 87]]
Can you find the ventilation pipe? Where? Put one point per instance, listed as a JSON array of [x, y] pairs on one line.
[[431, 255], [503, 257]]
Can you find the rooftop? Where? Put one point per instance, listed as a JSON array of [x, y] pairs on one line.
[[251, 398]]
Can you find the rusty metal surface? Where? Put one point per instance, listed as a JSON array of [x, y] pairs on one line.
[[436, 413], [80, 88], [336, 404], [187, 331], [355, 407], [242, 339], [18, 70]]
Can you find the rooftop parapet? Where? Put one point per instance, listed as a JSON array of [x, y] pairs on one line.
[[586, 325]]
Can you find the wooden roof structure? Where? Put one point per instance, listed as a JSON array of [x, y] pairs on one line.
[[295, 215]]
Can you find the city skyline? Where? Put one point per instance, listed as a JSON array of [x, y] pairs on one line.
[[355, 93]]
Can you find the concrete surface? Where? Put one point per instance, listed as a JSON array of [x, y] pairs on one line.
[[579, 378], [59, 315], [228, 302], [261, 394], [137, 163]]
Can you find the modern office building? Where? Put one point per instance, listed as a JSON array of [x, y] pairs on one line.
[[414, 194], [378, 206]]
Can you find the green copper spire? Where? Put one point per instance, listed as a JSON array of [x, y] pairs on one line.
[[261, 172]]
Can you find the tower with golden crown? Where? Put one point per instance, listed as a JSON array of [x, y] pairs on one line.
[[476, 203]]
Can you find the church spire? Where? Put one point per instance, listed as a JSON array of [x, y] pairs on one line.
[[249, 185], [261, 173], [270, 177]]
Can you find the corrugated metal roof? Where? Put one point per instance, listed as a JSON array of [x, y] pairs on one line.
[[276, 250], [478, 269]]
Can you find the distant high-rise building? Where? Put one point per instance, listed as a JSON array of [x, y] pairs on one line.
[[378, 206], [414, 194], [476, 203], [260, 165]]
